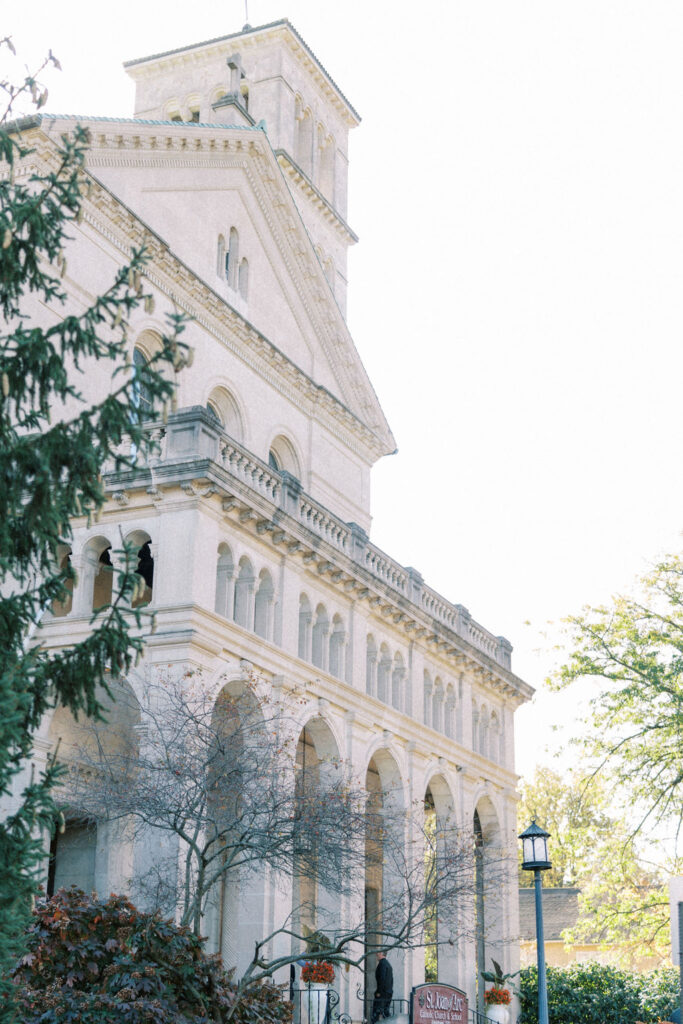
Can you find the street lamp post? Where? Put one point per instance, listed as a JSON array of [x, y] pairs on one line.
[[535, 858]]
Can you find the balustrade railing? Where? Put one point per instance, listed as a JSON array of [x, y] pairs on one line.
[[250, 470], [192, 434], [321, 521], [386, 569]]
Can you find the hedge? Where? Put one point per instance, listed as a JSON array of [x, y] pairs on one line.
[[593, 993]]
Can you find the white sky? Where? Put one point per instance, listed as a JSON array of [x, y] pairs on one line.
[[516, 295]]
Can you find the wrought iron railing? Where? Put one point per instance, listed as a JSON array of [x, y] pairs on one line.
[[390, 1008], [317, 1006]]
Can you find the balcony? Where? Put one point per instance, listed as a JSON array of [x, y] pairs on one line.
[[192, 447]]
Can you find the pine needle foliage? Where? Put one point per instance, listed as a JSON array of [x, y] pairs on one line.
[[51, 465]]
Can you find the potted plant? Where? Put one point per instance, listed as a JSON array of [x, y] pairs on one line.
[[498, 997], [317, 975]]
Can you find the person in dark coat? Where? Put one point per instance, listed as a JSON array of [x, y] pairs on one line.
[[384, 981]]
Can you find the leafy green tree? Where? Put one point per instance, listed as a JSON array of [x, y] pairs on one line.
[[624, 905], [576, 816], [633, 650], [50, 474]]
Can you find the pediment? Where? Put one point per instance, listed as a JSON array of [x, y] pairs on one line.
[[191, 184]]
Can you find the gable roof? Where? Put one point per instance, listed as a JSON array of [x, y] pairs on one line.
[[125, 141]]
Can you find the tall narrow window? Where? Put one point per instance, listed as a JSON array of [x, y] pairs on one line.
[[244, 279], [320, 632], [371, 666], [263, 606], [221, 265], [225, 583], [305, 619], [232, 259], [104, 579], [142, 399], [337, 648], [63, 607], [145, 569]]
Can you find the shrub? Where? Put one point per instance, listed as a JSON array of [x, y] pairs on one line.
[[592, 993], [101, 961]]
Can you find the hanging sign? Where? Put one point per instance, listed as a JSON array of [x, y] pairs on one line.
[[435, 1002]]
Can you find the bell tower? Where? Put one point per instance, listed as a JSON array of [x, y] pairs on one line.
[[267, 77]]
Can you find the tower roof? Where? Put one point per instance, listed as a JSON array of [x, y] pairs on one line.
[[283, 25]]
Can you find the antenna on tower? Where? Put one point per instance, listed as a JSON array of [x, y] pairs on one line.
[[246, 12]]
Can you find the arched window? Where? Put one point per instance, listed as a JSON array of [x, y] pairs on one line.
[[397, 677], [223, 406], [282, 456], [327, 169], [144, 569], [213, 412], [337, 648], [437, 705], [427, 688], [104, 580], [305, 620], [244, 594], [225, 585], [449, 712], [494, 738], [221, 264], [371, 666], [320, 633], [263, 606], [384, 674], [141, 397], [243, 281], [63, 607], [484, 732], [475, 726], [304, 141], [232, 258]]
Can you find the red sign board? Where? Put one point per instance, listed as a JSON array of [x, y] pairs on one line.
[[434, 1003]]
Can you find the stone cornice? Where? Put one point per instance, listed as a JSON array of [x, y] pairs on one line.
[[305, 185], [131, 143]]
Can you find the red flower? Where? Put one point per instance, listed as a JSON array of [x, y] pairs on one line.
[[497, 996], [317, 971]]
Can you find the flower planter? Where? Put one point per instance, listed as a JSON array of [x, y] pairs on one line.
[[316, 1002], [498, 1012]]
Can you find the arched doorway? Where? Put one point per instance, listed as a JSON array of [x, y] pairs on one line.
[[442, 857], [384, 847], [84, 851], [489, 866], [316, 900], [235, 913]]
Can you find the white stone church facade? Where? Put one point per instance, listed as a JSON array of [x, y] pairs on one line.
[[256, 509]]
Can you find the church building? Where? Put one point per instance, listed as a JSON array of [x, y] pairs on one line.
[[253, 516]]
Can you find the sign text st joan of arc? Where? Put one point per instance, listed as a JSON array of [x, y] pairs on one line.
[[437, 1004]]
